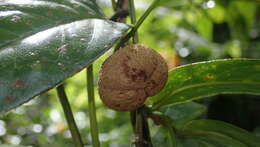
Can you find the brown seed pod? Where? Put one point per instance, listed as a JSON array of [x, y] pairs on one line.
[[129, 76]]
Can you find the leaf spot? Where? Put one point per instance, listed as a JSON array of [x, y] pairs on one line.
[[29, 22], [209, 77], [19, 84], [8, 99], [44, 59], [49, 14]]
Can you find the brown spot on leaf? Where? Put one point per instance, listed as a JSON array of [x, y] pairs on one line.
[[49, 14], [44, 59], [19, 83], [8, 99], [209, 77], [29, 22]]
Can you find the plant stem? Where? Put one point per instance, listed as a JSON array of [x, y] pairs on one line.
[[138, 119], [147, 135], [69, 116], [133, 19], [92, 107], [139, 140], [141, 128], [113, 2], [135, 114], [137, 25]]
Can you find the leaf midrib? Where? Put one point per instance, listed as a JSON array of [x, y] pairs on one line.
[[203, 85]]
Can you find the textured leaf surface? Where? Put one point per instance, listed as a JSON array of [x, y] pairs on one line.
[[194, 81], [44, 42], [221, 133]]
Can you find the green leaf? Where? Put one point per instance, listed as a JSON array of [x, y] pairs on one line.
[[6, 145], [220, 133], [194, 81], [216, 139], [207, 144], [161, 136], [257, 131], [204, 26], [172, 137], [61, 39], [217, 13], [20, 19], [188, 142], [248, 11], [183, 113]]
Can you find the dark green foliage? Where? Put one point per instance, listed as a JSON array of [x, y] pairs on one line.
[[51, 50], [43, 42]]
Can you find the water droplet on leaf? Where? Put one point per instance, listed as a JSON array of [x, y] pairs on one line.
[[62, 49], [32, 53], [15, 18], [82, 39]]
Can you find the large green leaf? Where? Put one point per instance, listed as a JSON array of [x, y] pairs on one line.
[[44, 42], [183, 113], [6, 145], [221, 133], [192, 142], [194, 81], [21, 18]]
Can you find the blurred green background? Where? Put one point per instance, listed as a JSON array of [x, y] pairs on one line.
[[182, 31]]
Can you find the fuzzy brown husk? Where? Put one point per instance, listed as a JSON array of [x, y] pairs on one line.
[[130, 75]]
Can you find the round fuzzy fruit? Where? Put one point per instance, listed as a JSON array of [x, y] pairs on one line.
[[130, 75]]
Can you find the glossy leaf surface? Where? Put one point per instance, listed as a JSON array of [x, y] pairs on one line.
[[44, 42], [220, 133], [194, 81], [22, 18], [184, 113]]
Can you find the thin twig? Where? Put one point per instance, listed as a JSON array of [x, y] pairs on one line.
[[69, 116], [139, 140], [137, 25], [92, 107], [133, 19], [135, 115]]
